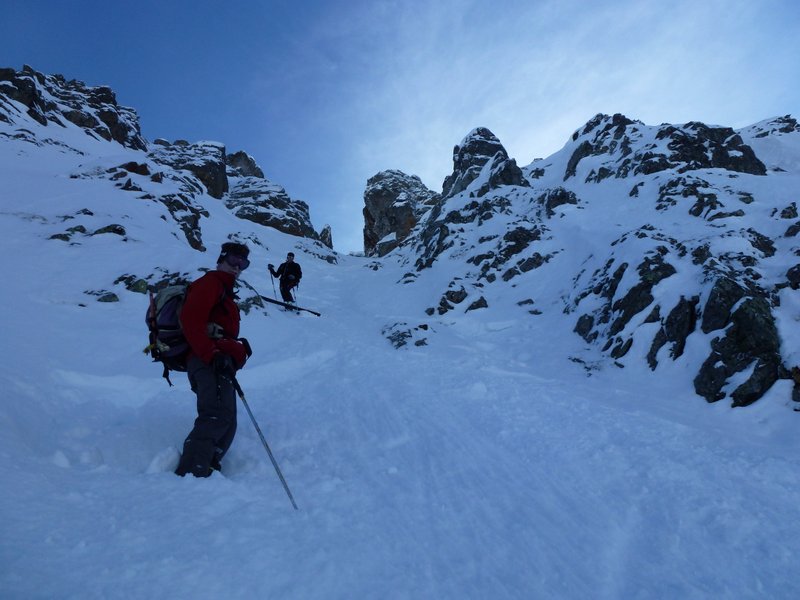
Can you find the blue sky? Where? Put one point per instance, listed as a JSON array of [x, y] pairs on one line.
[[326, 94]]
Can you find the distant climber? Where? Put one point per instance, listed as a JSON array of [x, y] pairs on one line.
[[289, 274]]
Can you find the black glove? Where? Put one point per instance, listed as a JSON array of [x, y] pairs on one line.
[[271, 266], [223, 364]]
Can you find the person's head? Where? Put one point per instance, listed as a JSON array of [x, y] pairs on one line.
[[233, 258], [290, 257]]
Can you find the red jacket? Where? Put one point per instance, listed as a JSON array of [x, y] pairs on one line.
[[211, 300]]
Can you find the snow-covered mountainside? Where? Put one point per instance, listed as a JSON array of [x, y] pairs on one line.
[[46, 111], [451, 426], [659, 244]]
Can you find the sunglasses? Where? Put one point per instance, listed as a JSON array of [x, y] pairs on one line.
[[235, 260]]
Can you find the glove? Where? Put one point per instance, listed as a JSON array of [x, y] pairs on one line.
[[223, 364], [271, 266], [247, 349]]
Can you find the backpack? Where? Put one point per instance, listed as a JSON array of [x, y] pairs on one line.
[[167, 343]]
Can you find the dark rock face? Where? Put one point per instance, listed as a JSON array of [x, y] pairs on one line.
[[438, 233], [781, 125], [623, 148], [255, 198], [679, 324], [52, 100], [268, 204], [751, 341], [326, 236], [472, 155], [627, 149], [501, 172], [698, 146], [393, 205], [205, 160], [651, 272], [556, 197], [617, 308], [724, 295], [241, 164], [735, 305], [479, 158], [610, 136]]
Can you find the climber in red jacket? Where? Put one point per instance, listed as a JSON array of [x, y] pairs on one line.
[[210, 323]]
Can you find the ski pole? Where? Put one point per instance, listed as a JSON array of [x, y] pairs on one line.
[[274, 293], [264, 441]]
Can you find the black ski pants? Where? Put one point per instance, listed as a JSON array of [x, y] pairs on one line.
[[215, 425], [286, 290]]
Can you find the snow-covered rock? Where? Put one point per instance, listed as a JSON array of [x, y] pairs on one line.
[[52, 101], [393, 204], [43, 110]]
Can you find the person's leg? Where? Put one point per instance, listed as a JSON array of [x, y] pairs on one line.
[[215, 425], [286, 292]]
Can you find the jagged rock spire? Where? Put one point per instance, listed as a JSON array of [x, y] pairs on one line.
[[471, 156], [393, 205]]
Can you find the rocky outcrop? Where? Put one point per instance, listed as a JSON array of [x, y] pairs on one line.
[[176, 174], [484, 179], [268, 204], [748, 340], [326, 236], [625, 147], [241, 164], [205, 160], [393, 205], [698, 146], [704, 255], [556, 197], [51, 100], [470, 159]]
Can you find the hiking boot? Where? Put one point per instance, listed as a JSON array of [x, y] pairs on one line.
[[201, 471], [215, 464], [196, 470]]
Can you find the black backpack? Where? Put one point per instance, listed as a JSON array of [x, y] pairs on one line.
[[167, 343]]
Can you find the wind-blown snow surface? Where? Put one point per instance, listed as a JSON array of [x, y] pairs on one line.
[[483, 465]]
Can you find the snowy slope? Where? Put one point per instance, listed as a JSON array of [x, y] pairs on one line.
[[482, 463]]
